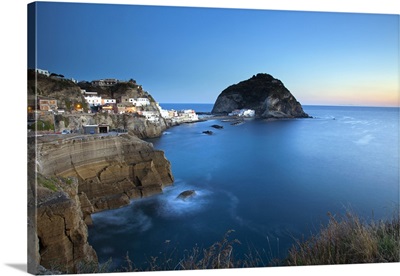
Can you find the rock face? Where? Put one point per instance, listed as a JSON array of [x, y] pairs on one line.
[[262, 93], [111, 169], [139, 126], [57, 233], [100, 172], [61, 231], [72, 176]]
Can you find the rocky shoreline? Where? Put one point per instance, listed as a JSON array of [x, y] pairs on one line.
[[72, 176]]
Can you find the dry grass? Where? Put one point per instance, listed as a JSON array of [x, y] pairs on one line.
[[349, 240], [344, 240]]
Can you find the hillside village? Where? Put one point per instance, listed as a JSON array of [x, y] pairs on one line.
[[59, 105]]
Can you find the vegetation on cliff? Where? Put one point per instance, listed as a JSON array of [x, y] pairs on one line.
[[65, 91]]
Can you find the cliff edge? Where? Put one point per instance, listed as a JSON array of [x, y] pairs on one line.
[[264, 94], [71, 177]]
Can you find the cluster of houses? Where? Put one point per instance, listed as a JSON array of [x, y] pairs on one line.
[[125, 105], [141, 106], [136, 106]]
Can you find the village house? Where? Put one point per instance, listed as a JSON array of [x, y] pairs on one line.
[[109, 105], [242, 113], [93, 100], [139, 101], [172, 113], [48, 105], [188, 114], [126, 107], [88, 93], [108, 101], [164, 113], [109, 108], [142, 101], [43, 72], [151, 116]]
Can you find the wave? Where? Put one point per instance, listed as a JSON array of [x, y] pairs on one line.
[[170, 206], [365, 139]]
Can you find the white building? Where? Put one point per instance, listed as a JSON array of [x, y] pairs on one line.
[[88, 93], [142, 101], [139, 101], [108, 101], [43, 72], [93, 100], [188, 114], [151, 116], [243, 113], [248, 113], [164, 113]]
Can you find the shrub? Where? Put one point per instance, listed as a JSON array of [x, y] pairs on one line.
[[42, 125], [49, 183]]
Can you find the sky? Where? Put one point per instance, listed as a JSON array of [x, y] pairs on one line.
[[310, 73], [189, 54]]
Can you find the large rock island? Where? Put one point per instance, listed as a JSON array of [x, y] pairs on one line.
[[264, 94]]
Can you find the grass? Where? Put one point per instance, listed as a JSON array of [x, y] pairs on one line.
[[54, 183], [349, 240], [49, 183], [344, 240]]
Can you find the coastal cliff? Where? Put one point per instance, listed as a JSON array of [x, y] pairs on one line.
[[73, 176], [264, 94], [137, 125], [57, 233], [111, 169]]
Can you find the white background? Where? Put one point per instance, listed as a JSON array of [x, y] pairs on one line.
[[13, 128]]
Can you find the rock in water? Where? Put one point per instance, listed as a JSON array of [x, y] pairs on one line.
[[262, 93], [209, 132], [186, 194]]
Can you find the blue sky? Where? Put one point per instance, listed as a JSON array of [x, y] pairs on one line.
[[182, 54]]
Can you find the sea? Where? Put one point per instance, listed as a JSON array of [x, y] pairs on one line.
[[265, 184]]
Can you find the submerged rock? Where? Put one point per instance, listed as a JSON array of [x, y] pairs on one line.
[[186, 194], [209, 132]]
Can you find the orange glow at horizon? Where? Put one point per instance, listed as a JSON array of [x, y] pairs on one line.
[[359, 95]]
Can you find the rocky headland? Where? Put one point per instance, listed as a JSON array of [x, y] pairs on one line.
[[72, 177], [264, 94], [75, 175]]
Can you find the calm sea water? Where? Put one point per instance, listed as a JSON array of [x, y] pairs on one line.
[[270, 181]]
